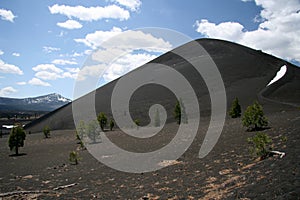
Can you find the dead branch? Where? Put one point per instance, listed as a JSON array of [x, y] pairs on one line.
[[23, 192], [281, 154], [65, 186]]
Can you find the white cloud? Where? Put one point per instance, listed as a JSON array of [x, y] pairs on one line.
[[46, 75], [120, 50], [9, 68], [70, 24], [91, 13], [126, 64], [51, 72], [1, 52], [47, 67], [128, 40], [7, 91], [16, 54], [7, 15], [21, 83], [95, 39], [227, 30], [38, 82], [277, 34], [91, 71], [50, 49], [133, 5], [64, 62], [246, 0]]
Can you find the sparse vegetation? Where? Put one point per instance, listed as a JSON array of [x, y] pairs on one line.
[[102, 119], [254, 118], [260, 145], [92, 130], [16, 139], [283, 138], [74, 157], [111, 124], [235, 110], [137, 122], [179, 113], [46, 131], [157, 119]]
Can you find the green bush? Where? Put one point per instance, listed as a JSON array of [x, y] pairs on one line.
[[102, 119], [111, 124], [74, 157], [157, 119], [179, 113], [260, 144], [16, 139], [235, 110], [46, 131], [137, 123], [254, 118], [92, 130]]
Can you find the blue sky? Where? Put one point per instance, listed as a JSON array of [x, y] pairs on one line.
[[43, 44]]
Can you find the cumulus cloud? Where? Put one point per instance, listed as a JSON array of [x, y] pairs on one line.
[[64, 62], [127, 40], [47, 67], [90, 13], [95, 39], [7, 91], [120, 50], [38, 82], [50, 49], [126, 64], [7, 15], [9, 68], [70, 24], [277, 34], [21, 83], [16, 54], [133, 5], [51, 72], [1, 52]]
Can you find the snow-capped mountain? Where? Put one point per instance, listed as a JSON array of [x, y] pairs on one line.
[[41, 103]]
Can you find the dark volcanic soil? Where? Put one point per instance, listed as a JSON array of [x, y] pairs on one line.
[[228, 172]]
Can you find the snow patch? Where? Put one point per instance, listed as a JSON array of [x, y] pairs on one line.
[[279, 74]]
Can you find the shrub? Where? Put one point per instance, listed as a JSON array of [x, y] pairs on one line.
[[92, 130], [102, 119], [235, 110], [46, 131], [74, 157], [111, 124], [137, 122], [254, 118], [260, 145], [16, 139], [179, 112], [157, 119]]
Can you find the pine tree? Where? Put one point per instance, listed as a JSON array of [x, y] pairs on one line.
[[179, 112], [235, 110], [16, 138], [111, 124], [102, 119], [157, 119], [254, 118]]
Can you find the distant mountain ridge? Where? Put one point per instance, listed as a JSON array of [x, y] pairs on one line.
[[41, 103]]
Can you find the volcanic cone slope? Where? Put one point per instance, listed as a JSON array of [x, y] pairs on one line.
[[245, 72]]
